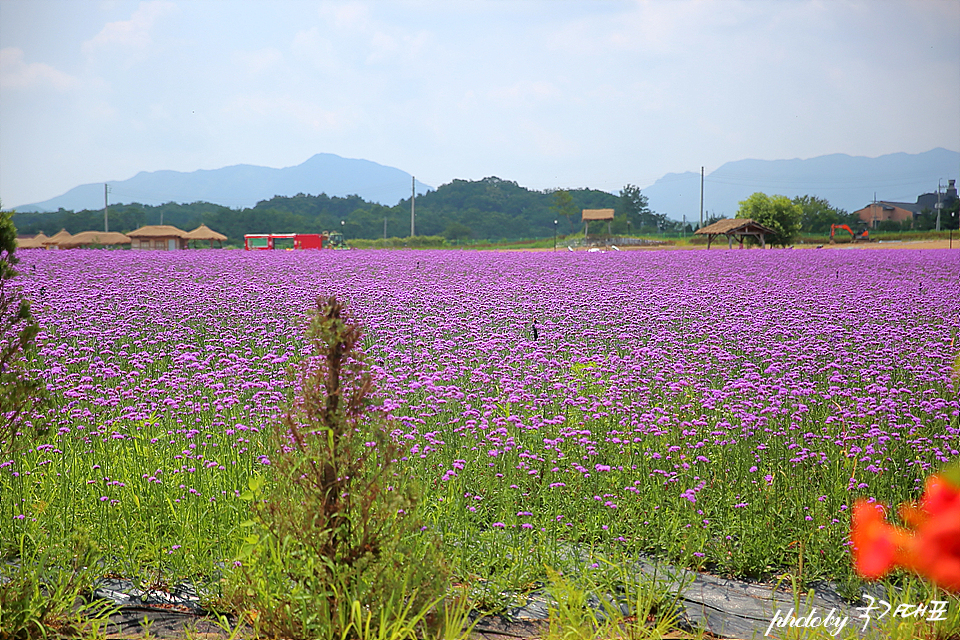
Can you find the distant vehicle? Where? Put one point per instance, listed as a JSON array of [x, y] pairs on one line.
[[861, 236], [335, 240], [270, 241]]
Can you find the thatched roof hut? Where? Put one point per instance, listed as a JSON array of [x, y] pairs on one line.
[[88, 238], [158, 231], [738, 228], [36, 242], [588, 215], [596, 214], [54, 242], [161, 236], [203, 232]]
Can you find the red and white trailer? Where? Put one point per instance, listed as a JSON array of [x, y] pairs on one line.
[[270, 241]]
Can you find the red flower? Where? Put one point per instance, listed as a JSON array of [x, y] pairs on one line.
[[931, 547]]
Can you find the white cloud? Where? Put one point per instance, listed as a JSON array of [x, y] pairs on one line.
[[523, 93], [133, 33], [362, 37], [546, 93], [349, 15], [319, 51], [256, 62], [17, 74], [159, 112], [549, 142], [291, 111]]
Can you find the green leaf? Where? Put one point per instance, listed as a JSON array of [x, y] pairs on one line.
[[951, 473]]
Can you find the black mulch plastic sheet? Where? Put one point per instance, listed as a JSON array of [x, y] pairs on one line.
[[162, 614], [725, 608]]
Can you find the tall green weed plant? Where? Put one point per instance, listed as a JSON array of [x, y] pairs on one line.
[[334, 529], [614, 602], [19, 391]]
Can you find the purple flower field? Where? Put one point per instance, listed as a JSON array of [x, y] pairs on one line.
[[719, 408]]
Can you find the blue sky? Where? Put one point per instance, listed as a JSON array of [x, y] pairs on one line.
[[551, 94]]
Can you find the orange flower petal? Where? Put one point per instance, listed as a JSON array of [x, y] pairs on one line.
[[936, 552], [939, 495], [931, 550], [874, 541], [913, 514]]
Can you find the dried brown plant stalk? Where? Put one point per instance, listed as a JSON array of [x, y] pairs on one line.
[[339, 520]]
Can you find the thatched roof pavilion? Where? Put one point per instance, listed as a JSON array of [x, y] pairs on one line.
[[203, 232], [54, 242], [738, 228], [596, 214], [587, 215], [36, 242], [88, 238], [161, 236]]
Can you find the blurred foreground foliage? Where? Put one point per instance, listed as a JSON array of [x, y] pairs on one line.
[[19, 391], [334, 533]]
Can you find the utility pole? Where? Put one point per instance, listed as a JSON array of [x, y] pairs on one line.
[[413, 200], [939, 204], [701, 197], [106, 223], [384, 228]]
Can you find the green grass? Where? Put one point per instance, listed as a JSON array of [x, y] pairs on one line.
[[159, 533], [509, 524]]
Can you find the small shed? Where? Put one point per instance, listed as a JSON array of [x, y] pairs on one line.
[[160, 237], [36, 242], [54, 242], [738, 228], [90, 238], [596, 214], [203, 232]]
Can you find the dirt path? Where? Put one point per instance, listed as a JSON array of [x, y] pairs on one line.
[[903, 244]]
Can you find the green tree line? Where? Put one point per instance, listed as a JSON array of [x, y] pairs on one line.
[[813, 215], [487, 209]]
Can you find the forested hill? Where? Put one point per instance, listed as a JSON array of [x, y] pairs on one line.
[[483, 209]]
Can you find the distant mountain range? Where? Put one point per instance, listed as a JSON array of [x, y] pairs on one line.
[[244, 185], [847, 182]]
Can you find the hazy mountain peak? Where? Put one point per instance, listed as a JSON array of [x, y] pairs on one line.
[[243, 185], [847, 182]]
